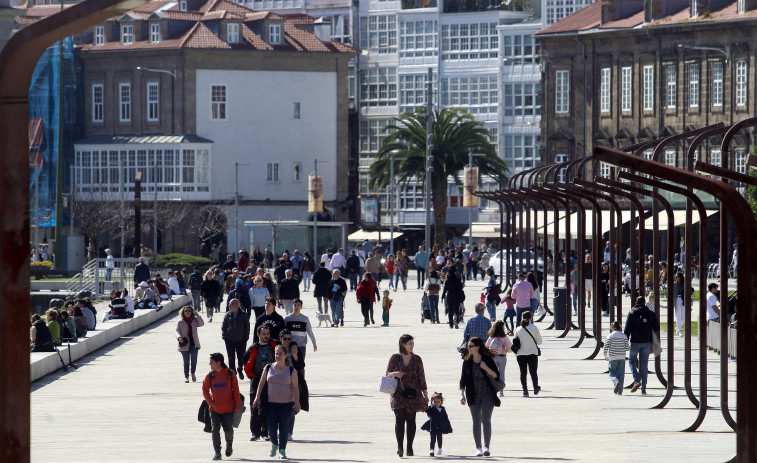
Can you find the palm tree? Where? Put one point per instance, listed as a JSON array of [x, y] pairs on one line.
[[455, 132]]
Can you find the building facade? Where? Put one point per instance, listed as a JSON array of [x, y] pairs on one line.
[[212, 102], [618, 73]]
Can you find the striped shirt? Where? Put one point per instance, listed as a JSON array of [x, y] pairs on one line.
[[616, 346]]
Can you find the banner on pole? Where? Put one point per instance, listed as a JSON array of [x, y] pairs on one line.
[[369, 208], [315, 194], [470, 185]]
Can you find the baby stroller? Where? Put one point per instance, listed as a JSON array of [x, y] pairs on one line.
[[425, 308]]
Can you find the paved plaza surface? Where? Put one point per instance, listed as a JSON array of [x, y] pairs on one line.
[[128, 401]]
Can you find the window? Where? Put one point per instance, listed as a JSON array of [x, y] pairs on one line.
[[296, 171], [648, 88], [153, 101], [741, 6], [127, 34], [715, 157], [124, 98], [563, 170], [520, 152], [155, 32], [717, 83], [604, 170], [670, 97], [379, 32], [97, 103], [470, 41], [418, 39], [99, 35], [232, 33], [272, 172], [378, 86], [670, 157], [183, 5], [741, 83], [558, 9], [520, 49], [372, 134], [740, 160], [693, 85], [521, 99], [604, 91], [413, 91], [218, 102], [274, 34], [625, 103], [296, 108], [562, 91], [477, 94]]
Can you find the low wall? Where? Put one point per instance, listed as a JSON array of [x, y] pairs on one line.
[[44, 363], [713, 338]]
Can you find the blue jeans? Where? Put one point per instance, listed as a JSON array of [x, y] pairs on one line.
[[397, 278], [188, 355], [336, 309], [519, 313], [534, 305], [434, 301], [108, 273], [617, 372], [642, 349], [353, 281], [421, 276], [307, 276], [279, 417], [492, 308]]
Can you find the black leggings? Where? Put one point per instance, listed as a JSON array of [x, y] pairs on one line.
[[365, 307], [530, 362], [400, 418], [436, 438]]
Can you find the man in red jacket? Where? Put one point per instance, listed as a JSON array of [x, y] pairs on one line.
[[221, 392]]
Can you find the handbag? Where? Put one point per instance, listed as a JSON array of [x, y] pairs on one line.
[[183, 341], [496, 383], [409, 392], [388, 385], [656, 346], [538, 351], [516, 345]]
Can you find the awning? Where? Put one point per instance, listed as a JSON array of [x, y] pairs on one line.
[[679, 218], [483, 230], [362, 235]]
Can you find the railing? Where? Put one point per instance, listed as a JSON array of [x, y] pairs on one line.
[[713, 339], [94, 277]]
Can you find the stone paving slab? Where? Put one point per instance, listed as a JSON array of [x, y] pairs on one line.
[[128, 402]]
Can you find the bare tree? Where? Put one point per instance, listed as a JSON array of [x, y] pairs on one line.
[[212, 221], [277, 230], [96, 214]]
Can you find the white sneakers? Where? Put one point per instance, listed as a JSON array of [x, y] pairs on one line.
[[479, 452], [486, 451], [438, 450]]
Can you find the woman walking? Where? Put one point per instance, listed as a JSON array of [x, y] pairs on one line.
[[531, 278], [454, 296], [258, 295], [528, 353], [297, 360], [221, 391], [366, 296], [411, 395], [283, 398], [492, 294], [308, 267], [210, 292], [189, 342], [499, 345], [433, 287], [389, 266], [477, 391]]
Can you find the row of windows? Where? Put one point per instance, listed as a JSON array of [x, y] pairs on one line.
[[232, 34], [174, 169], [558, 9], [413, 90], [469, 41], [693, 94], [273, 170], [471, 92], [521, 99], [520, 49], [520, 151], [418, 35], [379, 33], [378, 86]]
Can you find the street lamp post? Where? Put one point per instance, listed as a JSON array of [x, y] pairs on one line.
[[236, 202], [392, 197], [429, 156]]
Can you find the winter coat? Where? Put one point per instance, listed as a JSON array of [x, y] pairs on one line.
[[235, 329], [239, 292], [321, 279], [182, 331], [467, 382], [141, 272], [210, 291], [640, 323], [438, 421], [289, 288]]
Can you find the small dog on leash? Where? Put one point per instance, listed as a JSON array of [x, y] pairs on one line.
[[323, 317]]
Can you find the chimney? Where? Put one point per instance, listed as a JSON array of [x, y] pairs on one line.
[[322, 29], [614, 10]]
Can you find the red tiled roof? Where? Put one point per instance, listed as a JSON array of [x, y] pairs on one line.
[[181, 15], [216, 5], [261, 15], [202, 37], [583, 19], [149, 7], [254, 40], [299, 18], [625, 23], [302, 40], [220, 14], [727, 13]]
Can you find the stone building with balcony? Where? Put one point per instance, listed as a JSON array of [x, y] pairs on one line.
[[212, 102]]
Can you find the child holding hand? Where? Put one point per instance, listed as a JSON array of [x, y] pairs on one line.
[[438, 422], [386, 304]]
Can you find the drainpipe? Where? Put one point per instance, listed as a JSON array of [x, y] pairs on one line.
[[586, 79]]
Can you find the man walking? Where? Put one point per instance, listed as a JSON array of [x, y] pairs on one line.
[[260, 354], [522, 292], [713, 306], [235, 331], [337, 288], [338, 261], [421, 264], [270, 319], [299, 326], [640, 325], [353, 269], [478, 326], [195, 285], [289, 290], [221, 392], [321, 279]]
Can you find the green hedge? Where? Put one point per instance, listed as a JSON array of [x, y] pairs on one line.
[[181, 260]]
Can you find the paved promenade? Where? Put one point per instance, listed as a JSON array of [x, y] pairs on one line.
[[128, 402]]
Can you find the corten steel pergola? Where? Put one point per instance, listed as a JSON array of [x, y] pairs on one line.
[[731, 202], [17, 61]]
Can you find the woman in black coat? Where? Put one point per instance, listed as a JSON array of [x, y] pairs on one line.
[[454, 296], [477, 391], [210, 292], [321, 279]]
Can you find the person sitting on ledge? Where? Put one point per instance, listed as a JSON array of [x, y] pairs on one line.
[[39, 335]]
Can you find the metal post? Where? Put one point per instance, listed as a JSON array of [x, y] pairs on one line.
[[391, 203], [71, 204], [429, 156], [155, 215], [123, 213], [36, 209], [315, 217], [470, 209], [58, 248], [236, 205]]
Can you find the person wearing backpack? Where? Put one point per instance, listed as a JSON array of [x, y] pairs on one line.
[[641, 324], [493, 291], [221, 392], [195, 285]]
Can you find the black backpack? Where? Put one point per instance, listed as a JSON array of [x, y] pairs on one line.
[[195, 281]]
